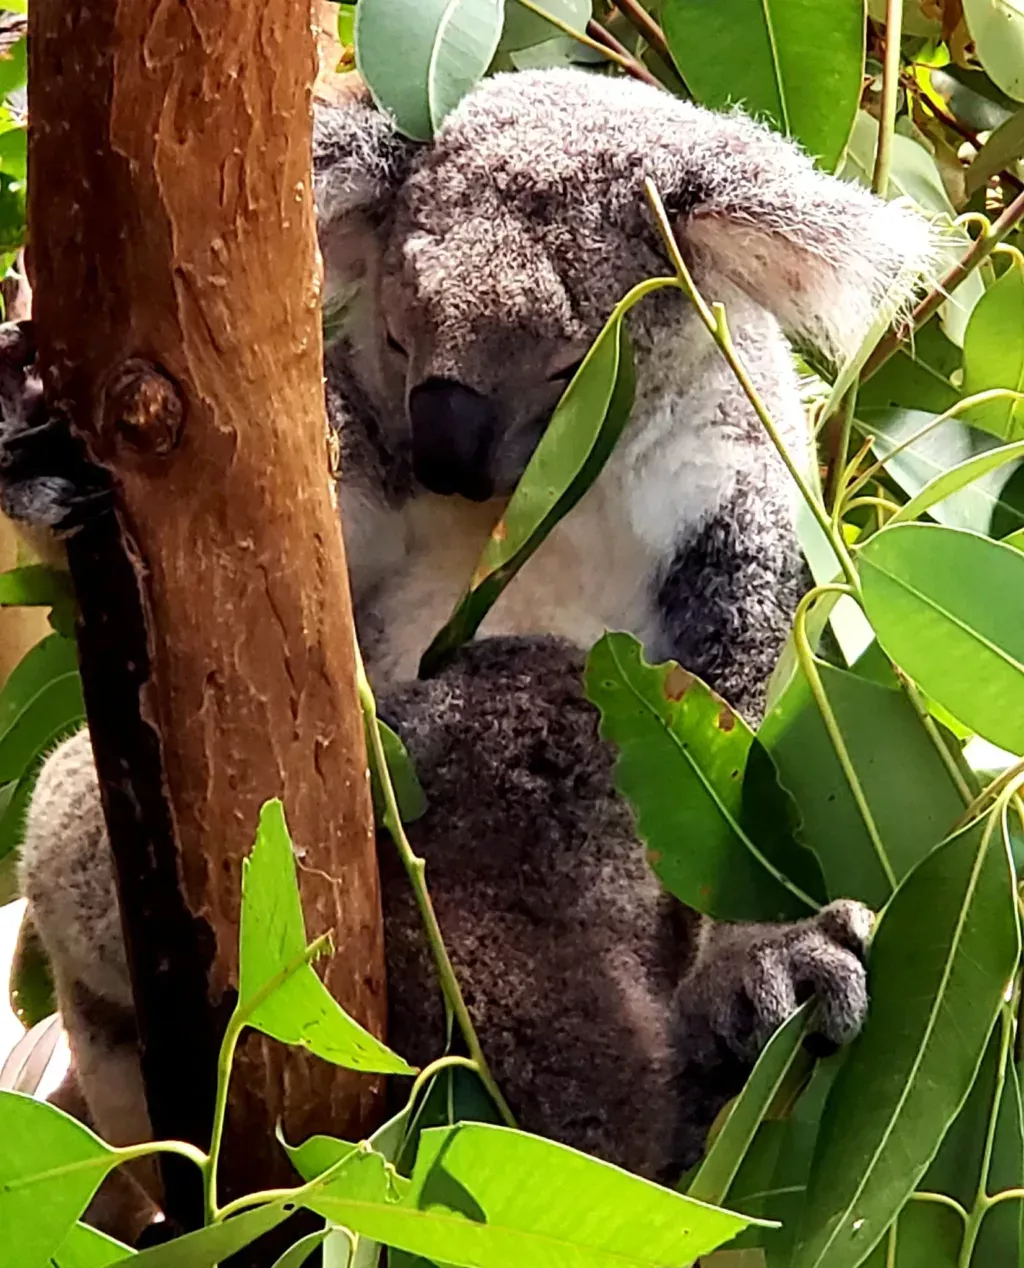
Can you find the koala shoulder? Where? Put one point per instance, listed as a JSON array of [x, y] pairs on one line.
[[66, 873]]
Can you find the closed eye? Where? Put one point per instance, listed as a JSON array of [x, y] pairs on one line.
[[563, 376]]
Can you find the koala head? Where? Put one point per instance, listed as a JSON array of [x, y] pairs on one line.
[[487, 261]]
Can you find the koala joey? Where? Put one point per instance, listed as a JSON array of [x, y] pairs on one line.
[[465, 280], [612, 1018]]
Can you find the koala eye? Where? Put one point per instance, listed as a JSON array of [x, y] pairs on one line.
[[564, 375], [395, 346]]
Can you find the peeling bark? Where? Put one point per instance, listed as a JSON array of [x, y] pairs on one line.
[[176, 299]]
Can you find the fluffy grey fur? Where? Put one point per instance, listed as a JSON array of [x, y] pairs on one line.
[[611, 1019], [470, 276]]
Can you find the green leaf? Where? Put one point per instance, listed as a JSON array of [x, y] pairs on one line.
[[979, 506], [412, 800], [784, 1054], [13, 67], [35, 585], [446, 47], [490, 1197], [918, 377], [576, 444], [57, 708], [940, 962], [910, 793], [295, 1256], [958, 477], [346, 24], [994, 354], [272, 945], [31, 983], [799, 65], [948, 607], [682, 757], [86, 1247], [524, 29], [1001, 150], [52, 657], [207, 1247], [15, 804], [997, 29], [50, 1167]]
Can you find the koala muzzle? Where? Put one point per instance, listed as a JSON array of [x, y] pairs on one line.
[[454, 430]]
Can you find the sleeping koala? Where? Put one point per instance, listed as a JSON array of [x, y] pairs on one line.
[[465, 280]]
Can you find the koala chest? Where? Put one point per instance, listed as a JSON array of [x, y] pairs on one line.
[[589, 575]]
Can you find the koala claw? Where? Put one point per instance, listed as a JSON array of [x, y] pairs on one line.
[[46, 479], [765, 972]]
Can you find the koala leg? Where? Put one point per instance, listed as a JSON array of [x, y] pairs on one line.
[[747, 979], [46, 479]]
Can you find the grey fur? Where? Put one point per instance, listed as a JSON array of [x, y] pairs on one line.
[[612, 1019]]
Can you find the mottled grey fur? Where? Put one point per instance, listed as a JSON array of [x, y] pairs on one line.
[[611, 1021]]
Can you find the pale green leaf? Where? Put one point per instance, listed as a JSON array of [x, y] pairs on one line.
[[295, 1256], [958, 477], [994, 354], [86, 1247], [208, 1247], [940, 963], [1001, 150], [272, 943], [997, 28], [524, 29], [948, 607]]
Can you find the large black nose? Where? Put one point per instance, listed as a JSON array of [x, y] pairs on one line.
[[454, 430]]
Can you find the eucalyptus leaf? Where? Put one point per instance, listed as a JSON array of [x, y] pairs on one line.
[[994, 354], [1002, 149], [997, 29], [35, 585], [13, 67], [948, 608], [295, 1256], [446, 45], [412, 800], [50, 1167], [916, 377], [272, 943], [57, 708], [798, 65], [682, 757], [940, 962], [525, 29], [578, 441], [208, 1247], [490, 1197], [959, 477]]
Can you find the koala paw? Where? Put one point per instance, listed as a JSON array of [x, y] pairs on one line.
[[46, 478], [756, 976]]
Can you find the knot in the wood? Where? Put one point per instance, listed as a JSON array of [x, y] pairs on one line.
[[143, 407]]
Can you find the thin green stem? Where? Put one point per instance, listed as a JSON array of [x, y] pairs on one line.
[[890, 95], [892, 1241], [1001, 781], [840, 456], [941, 1199], [805, 655], [130, 1153], [714, 319], [948, 760], [415, 868]]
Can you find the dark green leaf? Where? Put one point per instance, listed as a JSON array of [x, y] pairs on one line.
[[34, 585], [941, 959], [446, 45], [798, 65], [50, 1167], [412, 801], [576, 444], [916, 378], [491, 1197], [31, 984], [57, 708], [13, 67], [52, 657], [682, 757], [948, 607], [272, 941], [994, 354]]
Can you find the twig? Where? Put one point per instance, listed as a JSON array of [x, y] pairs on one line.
[[630, 64], [640, 20], [890, 94], [978, 251]]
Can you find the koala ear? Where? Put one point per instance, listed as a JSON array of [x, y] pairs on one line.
[[819, 253], [359, 163]]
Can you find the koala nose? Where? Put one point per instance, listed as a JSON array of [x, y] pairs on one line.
[[453, 435]]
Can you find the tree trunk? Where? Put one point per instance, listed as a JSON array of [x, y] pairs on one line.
[[176, 287]]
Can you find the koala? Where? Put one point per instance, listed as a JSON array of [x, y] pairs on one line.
[[464, 281], [613, 1019]]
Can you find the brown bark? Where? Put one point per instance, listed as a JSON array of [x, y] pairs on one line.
[[176, 301]]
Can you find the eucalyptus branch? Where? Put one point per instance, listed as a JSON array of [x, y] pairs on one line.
[[630, 64], [714, 319], [805, 656], [979, 250], [642, 22], [890, 95], [415, 868]]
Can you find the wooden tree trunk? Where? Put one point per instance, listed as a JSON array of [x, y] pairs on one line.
[[176, 281]]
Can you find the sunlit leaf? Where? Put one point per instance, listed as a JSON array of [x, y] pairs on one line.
[[959, 477], [446, 45], [798, 65], [994, 354], [948, 607], [13, 67], [86, 1247], [997, 29], [295, 1256], [208, 1247], [682, 755], [50, 1167], [491, 1197], [272, 943], [940, 962]]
